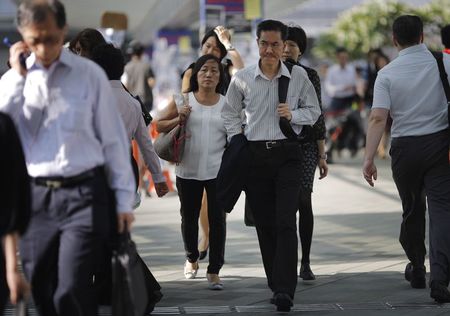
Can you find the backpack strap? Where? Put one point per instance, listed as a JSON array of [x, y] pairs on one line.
[[444, 79], [283, 86]]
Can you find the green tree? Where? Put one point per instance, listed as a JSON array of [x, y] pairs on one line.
[[369, 26]]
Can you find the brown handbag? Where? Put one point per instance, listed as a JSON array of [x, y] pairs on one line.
[[170, 146]]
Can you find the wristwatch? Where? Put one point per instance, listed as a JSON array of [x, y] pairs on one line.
[[230, 47], [324, 156]]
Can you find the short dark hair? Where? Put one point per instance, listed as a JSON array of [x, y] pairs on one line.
[[272, 25], [110, 59], [135, 48], [32, 11], [193, 82], [407, 30], [211, 33], [88, 40], [445, 36], [297, 35]]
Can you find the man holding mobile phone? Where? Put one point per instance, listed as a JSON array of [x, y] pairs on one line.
[[76, 151]]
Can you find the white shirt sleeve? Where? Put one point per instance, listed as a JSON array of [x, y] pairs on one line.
[[11, 94], [232, 109], [148, 152], [308, 110], [381, 94], [110, 131]]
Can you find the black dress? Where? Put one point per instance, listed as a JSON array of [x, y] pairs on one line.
[[310, 149], [15, 199]]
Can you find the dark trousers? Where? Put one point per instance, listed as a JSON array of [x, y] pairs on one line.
[[191, 193], [4, 291], [420, 168], [67, 231], [272, 190]]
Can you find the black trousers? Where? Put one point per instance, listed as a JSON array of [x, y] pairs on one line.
[[420, 168], [190, 193], [4, 291], [272, 190], [67, 232]]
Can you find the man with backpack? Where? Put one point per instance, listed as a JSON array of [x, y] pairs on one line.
[[273, 181], [411, 90]]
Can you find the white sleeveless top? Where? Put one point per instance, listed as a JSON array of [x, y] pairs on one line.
[[205, 141]]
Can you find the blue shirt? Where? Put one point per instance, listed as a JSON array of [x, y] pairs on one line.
[[68, 122], [411, 89]]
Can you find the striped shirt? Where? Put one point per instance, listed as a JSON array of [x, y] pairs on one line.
[[250, 90]]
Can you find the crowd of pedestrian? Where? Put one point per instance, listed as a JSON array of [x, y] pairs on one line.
[[67, 123]]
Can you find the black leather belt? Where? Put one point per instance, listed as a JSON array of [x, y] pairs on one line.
[[269, 144], [64, 182]]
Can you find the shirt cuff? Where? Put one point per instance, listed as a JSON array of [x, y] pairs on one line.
[[296, 118], [158, 178], [14, 77], [124, 202]]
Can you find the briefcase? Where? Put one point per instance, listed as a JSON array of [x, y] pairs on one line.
[[134, 289]]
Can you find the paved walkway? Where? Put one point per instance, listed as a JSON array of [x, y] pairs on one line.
[[356, 256]]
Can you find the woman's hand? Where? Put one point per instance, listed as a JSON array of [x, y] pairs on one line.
[[183, 113], [224, 35], [17, 285]]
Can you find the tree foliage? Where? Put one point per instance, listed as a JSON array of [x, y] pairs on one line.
[[370, 26]]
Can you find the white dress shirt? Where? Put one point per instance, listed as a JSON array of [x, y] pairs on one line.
[[131, 113], [338, 79], [411, 88], [68, 121], [252, 91], [205, 141]]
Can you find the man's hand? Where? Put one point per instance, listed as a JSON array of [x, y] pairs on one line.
[[124, 220], [323, 168], [370, 172], [15, 51], [161, 189], [184, 112], [284, 111], [18, 287]]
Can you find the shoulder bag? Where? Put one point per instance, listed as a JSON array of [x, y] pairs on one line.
[[170, 146]]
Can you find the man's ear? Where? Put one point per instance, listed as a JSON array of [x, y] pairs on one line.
[[394, 41], [421, 38]]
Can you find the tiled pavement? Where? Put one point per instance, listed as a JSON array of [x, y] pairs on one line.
[[355, 255]]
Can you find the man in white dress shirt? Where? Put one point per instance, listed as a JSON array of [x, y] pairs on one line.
[[111, 60], [76, 152], [410, 89], [340, 82]]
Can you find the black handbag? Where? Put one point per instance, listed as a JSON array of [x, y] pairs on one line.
[[134, 289]]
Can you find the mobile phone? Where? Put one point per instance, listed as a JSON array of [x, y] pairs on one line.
[[22, 57]]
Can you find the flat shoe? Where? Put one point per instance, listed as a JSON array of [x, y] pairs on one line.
[[190, 270]]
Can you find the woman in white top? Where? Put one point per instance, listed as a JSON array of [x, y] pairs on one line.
[[205, 143]]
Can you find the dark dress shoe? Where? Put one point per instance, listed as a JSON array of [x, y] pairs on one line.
[[305, 272], [439, 291], [416, 276], [283, 302]]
